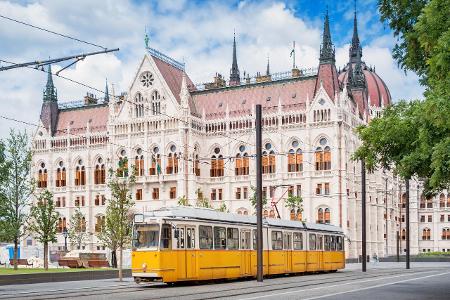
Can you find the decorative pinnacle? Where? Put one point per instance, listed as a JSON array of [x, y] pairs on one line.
[[50, 90], [327, 50]]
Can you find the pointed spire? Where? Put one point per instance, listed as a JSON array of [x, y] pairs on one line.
[[234, 73], [106, 100], [355, 51], [268, 67], [50, 90], [184, 93], [326, 49]]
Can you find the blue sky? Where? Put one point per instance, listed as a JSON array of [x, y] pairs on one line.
[[198, 32]]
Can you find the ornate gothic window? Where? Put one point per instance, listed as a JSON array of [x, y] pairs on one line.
[[122, 167], [155, 168], [139, 106], [242, 162], [426, 234], [139, 163], [268, 159], [295, 158], [99, 172], [80, 173], [172, 161], [442, 200], [323, 215], [446, 233], [217, 164], [156, 103], [99, 223], [196, 162], [146, 79], [296, 214], [323, 156], [42, 176], [60, 175]]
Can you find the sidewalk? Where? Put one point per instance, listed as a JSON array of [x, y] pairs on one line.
[[397, 265]]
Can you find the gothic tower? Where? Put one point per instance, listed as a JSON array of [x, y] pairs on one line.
[[234, 72], [49, 110]]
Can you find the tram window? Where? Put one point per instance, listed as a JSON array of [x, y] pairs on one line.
[[166, 236], [180, 239], [206, 237], [232, 238], [220, 240], [312, 241], [245, 239], [298, 241], [190, 237], [277, 240], [146, 236], [254, 239], [287, 241], [332, 243], [327, 243], [319, 242], [339, 244]]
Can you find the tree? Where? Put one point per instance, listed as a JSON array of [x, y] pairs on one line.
[[43, 221], [294, 203], [77, 229], [223, 208], [253, 198], [414, 138], [202, 201], [16, 187], [119, 213], [183, 201]]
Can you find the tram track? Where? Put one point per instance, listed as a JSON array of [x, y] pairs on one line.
[[217, 293]]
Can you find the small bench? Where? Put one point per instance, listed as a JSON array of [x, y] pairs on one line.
[[20, 262], [98, 263]]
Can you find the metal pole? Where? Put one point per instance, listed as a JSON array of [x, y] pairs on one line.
[[363, 214], [259, 231], [407, 224], [386, 221], [398, 247]]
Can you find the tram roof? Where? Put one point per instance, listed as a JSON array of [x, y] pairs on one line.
[[198, 213]]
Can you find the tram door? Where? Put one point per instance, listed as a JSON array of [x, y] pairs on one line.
[[287, 246], [187, 264], [246, 253]]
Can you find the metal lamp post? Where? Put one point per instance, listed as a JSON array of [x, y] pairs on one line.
[[65, 235]]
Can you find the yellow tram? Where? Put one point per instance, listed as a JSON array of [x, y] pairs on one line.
[[186, 243]]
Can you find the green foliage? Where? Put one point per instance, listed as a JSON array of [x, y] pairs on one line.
[[435, 253], [202, 201], [183, 201], [294, 203], [16, 185], [44, 218], [253, 198], [223, 208], [77, 229]]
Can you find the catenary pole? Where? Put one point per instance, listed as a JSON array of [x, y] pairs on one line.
[[259, 232], [363, 214], [407, 225]]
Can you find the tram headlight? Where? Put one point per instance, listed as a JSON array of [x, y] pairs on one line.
[[144, 267]]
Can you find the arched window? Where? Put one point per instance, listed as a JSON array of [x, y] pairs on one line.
[[156, 103], [42, 176], [272, 214], [139, 163], [320, 216], [265, 213], [196, 165], [429, 202], [448, 200], [99, 172], [83, 224], [327, 216], [217, 164], [60, 175], [404, 200], [422, 201], [268, 159], [139, 105], [155, 168], [295, 158], [172, 161], [122, 167], [323, 156], [403, 235], [80, 173], [59, 227], [296, 214], [242, 162], [446, 233], [426, 234], [99, 223], [442, 200]]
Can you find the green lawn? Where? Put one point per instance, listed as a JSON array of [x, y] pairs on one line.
[[11, 271]]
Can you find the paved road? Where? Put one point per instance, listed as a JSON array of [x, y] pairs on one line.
[[382, 281]]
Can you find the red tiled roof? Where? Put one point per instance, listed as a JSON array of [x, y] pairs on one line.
[[242, 99], [78, 119], [376, 88], [173, 77], [328, 75]]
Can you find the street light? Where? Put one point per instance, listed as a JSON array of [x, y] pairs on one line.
[[65, 235]]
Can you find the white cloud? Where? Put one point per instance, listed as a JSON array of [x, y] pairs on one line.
[[202, 34]]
